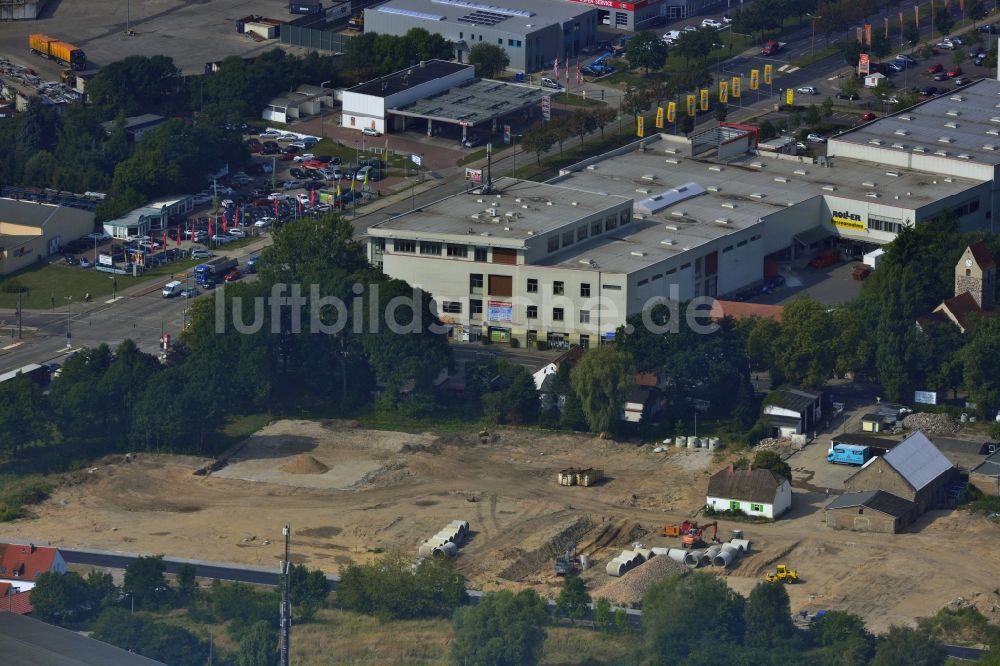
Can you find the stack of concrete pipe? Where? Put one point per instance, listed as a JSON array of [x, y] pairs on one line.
[[447, 540], [721, 555], [676, 554], [628, 560], [730, 552]]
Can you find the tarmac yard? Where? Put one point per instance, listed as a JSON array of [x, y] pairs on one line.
[[349, 493]]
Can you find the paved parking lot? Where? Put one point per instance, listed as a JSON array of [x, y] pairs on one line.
[[189, 31]]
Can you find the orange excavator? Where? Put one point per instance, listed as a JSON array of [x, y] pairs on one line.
[[679, 530], [695, 535]]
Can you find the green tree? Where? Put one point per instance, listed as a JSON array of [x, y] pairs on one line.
[[259, 647], [40, 169], [602, 116], [646, 50], [772, 460], [844, 639], [505, 629], [943, 22], [573, 600], [101, 589], [144, 580], [768, 616], [681, 613], [980, 371], [601, 381], [812, 115], [538, 139], [187, 585], [803, 350], [826, 108], [603, 618], [22, 415], [510, 395], [583, 123], [852, 53], [903, 646], [489, 60], [57, 597], [977, 10], [881, 47], [389, 587], [958, 56], [306, 585]]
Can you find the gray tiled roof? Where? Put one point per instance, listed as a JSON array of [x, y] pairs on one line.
[[918, 460]]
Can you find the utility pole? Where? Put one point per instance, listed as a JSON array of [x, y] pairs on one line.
[[286, 612]]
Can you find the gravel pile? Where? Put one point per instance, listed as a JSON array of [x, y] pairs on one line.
[[630, 588], [931, 424], [987, 603], [772, 444]]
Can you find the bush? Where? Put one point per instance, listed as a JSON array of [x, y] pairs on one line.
[[391, 587], [986, 504], [17, 493]]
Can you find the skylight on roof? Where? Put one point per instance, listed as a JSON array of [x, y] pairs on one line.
[[411, 13], [482, 6]]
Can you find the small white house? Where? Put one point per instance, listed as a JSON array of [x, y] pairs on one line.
[[791, 411], [755, 492], [22, 564], [874, 80]]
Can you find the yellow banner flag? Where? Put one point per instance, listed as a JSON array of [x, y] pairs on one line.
[[734, 90], [723, 92], [768, 72], [671, 112], [639, 129], [691, 102], [790, 97], [754, 79], [659, 117], [703, 101]]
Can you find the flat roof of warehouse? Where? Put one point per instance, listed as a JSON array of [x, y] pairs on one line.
[[964, 124], [515, 16], [404, 79], [538, 207], [475, 102]]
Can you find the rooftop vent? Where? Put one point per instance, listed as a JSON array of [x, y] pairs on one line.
[[667, 241], [591, 167], [955, 113], [671, 160], [894, 174], [722, 220], [951, 124], [756, 195], [678, 213], [780, 179], [868, 183], [548, 203], [919, 149], [670, 151], [801, 172], [583, 261], [902, 132], [479, 201], [729, 204], [875, 142], [525, 206], [995, 119], [899, 146], [475, 216], [757, 165], [906, 118], [486, 233], [957, 98], [648, 176], [574, 203], [715, 168], [941, 153], [642, 190], [713, 188], [672, 227], [945, 139], [993, 132], [872, 195], [829, 188], [637, 253], [989, 146], [949, 179], [517, 200]]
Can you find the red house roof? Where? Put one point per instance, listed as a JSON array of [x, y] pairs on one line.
[[25, 562], [19, 602], [740, 310], [982, 255]]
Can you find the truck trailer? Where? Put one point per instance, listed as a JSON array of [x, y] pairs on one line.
[[64, 52], [212, 272]]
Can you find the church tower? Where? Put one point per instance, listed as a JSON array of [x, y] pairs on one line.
[[976, 273]]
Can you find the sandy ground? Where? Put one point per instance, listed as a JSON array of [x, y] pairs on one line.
[[347, 492]]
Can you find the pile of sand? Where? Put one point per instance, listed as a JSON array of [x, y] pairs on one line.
[[631, 588], [304, 464]]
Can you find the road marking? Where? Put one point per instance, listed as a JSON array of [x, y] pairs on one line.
[[793, 69], [783, 68], [833, 78], [112, 300], [16, 344]]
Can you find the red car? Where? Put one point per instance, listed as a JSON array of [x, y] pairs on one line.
[[233, 275], [955, 71], [865, 117], [286, 157], [313, 164], [934, 69]]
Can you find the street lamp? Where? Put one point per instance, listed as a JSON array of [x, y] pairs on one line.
[[812, 45]]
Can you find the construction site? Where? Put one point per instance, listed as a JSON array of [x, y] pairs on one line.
[[504, 503]]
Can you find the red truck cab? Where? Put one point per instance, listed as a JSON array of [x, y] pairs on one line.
[[772, 47]]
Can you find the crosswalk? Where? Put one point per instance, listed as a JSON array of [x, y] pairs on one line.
[[788, 69]]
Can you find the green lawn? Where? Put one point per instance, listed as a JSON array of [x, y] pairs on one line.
[[575, 99]]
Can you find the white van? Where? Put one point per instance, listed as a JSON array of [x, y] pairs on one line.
[[549, 83], [172, 289]]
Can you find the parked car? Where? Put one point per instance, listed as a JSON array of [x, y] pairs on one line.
[[979, 60], [370, 131], [303, 156], [690, 28], [946, 44], [799, 145], [290, 149], [909, 60], [71, 260], [962, 80], [711, 23], [233, 275], [190, 292], [546, 83], [928, 91], [940, 76], [954, 71], [222, 238], [271, 133], [807, 90], [264, 222], [812, 137], [935, 68], [292, 184], [957, 41], [865, 117], [269, 148], [237, 232], [990, 29], [896, 66]]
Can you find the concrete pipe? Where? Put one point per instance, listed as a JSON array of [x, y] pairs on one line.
[[692, 442], [732, 550], [682, 441], [712, 551], [615, 567], [462, 526], [425, 550], [658, 550], [449, 549], [724, 559], [444, 535], [714, 443], [742, 544], [677, 554], [645, 553], [693, 558], [585, 561]]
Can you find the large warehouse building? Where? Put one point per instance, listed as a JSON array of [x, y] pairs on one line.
[[680, 217], [533, 34], [31, 231]]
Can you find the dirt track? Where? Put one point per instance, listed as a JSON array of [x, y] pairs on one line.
[[398, 489]]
